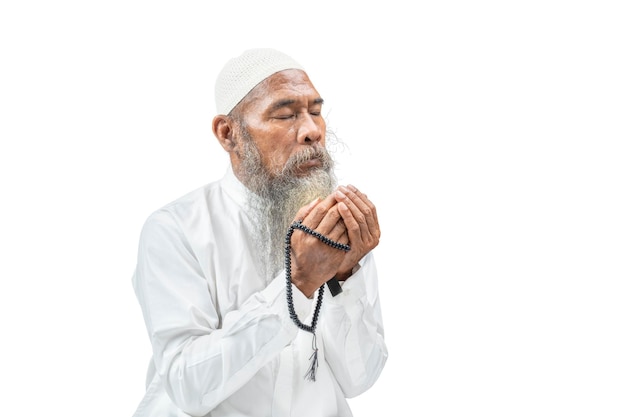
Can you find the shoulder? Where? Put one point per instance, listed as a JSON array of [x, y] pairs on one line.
[[181, 210]]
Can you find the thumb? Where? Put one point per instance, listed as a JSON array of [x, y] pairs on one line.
[[304, 211]]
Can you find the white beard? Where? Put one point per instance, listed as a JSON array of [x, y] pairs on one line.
[[274, 199]]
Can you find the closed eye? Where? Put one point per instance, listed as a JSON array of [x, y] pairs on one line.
[[285, 116]]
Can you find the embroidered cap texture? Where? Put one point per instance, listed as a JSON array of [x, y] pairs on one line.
[[241, 74]]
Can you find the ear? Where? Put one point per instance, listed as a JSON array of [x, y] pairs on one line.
[[223, 130]]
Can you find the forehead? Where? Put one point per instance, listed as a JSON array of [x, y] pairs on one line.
[[284, 85]]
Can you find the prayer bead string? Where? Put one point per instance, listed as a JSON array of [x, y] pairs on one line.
[[320, 294]]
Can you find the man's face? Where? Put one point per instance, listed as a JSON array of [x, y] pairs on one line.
[[278, 152], [283, 117]]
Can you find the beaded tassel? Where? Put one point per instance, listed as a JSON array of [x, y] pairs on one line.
[[311, 372]]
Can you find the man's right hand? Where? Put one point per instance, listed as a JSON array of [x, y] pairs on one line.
[[312, 261]]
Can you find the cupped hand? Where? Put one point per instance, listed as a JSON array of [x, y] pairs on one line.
[[361, 222], [313, 262]]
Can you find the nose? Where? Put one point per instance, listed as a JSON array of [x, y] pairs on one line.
[[311, 129]]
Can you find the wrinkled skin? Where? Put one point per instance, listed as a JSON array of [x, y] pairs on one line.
[[283, 114]]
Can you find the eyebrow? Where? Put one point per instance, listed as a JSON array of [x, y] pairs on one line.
[[288, 102]]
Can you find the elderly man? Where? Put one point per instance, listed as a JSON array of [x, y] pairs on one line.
[[231, 276]]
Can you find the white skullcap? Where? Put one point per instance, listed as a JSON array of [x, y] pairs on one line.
[[241, 74]]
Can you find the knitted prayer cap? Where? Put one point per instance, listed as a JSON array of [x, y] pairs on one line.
[[241, 74]]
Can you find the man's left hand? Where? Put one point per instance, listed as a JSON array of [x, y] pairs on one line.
[[361, 222]]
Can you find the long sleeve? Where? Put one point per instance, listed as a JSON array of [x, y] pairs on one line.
[[353, 331], [201, 356], [223, 342]]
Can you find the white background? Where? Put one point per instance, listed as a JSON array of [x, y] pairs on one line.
[[489, 133]]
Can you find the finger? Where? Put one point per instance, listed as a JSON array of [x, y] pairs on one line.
[[353, 228], [344, 239], [305, 210], [363, 228], [317, 214], [339, 232], [364, 203], [366, 208], [353, 217], [329, 221]]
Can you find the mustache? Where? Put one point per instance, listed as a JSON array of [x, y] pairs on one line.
[[308, 154]]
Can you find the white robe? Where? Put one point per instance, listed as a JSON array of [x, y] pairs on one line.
[[223, 342]]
